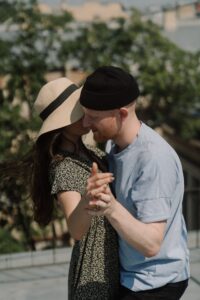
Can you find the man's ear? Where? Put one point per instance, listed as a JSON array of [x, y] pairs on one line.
[[123, 111]]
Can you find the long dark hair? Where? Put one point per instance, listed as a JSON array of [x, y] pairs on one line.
[[33, 170], [45, 150]]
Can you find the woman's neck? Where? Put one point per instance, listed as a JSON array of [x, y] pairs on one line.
[[69, 143]]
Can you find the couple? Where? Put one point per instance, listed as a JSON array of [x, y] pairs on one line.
[[130, 209]]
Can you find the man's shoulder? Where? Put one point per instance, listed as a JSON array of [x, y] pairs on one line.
[[153, 140]]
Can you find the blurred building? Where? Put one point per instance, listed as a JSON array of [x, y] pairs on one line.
[[94, 10], [180, 23], [89, 11]]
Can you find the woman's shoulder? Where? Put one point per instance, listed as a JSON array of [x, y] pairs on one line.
[[99, 152], [67, 163], [68, 174]]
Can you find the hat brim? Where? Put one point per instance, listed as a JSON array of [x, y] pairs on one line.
[[67, 113]]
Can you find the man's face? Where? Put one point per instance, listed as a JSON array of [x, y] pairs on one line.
[[105, 125]]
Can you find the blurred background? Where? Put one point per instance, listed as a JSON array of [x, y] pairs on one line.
[[156, 41]]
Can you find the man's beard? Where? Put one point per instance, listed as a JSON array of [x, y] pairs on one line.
[[99, 138], [102, 138]]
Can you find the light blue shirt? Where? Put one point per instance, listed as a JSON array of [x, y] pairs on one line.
[[149, 183]]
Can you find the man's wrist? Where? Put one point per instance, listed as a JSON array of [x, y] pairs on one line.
[[111, 210]]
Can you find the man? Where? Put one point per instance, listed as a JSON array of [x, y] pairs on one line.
[[146, 210]]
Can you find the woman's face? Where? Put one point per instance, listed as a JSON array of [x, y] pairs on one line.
[[77, 129]]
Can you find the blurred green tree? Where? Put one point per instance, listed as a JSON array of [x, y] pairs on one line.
[[28, 51], [8, 244]]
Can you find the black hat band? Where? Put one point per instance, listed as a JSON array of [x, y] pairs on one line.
[[58, 101]]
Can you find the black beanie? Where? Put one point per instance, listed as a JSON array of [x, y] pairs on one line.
[[108, 88]]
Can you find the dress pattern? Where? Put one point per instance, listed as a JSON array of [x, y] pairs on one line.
[[94, 266]]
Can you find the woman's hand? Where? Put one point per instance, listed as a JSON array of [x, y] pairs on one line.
[[98, 193]]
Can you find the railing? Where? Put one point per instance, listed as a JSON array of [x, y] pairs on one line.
[[191, 211]]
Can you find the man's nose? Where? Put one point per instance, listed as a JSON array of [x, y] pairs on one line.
[[86, 121]]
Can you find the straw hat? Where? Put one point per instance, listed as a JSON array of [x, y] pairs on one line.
[[57, 104]]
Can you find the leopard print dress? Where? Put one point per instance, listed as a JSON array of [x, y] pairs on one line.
[[94, 266]]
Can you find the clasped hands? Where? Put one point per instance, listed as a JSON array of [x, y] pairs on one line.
[[99, 198]]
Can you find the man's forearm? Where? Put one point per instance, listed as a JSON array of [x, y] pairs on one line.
[[145, 238]]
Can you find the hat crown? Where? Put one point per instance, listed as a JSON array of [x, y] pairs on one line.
[[49, 92]]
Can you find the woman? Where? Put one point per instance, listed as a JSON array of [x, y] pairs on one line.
[[61, 167]]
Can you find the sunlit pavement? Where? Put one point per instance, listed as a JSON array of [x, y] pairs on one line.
[[36, 283], [49, 282]]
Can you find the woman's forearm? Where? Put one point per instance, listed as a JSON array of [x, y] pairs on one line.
[[79, 221], [74, 208]]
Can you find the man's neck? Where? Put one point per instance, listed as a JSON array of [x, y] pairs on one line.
[[127, 134]]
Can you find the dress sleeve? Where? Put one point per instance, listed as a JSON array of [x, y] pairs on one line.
[[68, 175]]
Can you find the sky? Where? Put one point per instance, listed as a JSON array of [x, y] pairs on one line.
[[140, 4]]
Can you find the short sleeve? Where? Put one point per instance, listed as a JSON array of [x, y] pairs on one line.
[[153, 190], [68, 175]]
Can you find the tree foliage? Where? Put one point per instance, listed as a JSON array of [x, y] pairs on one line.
[[28, 52]]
